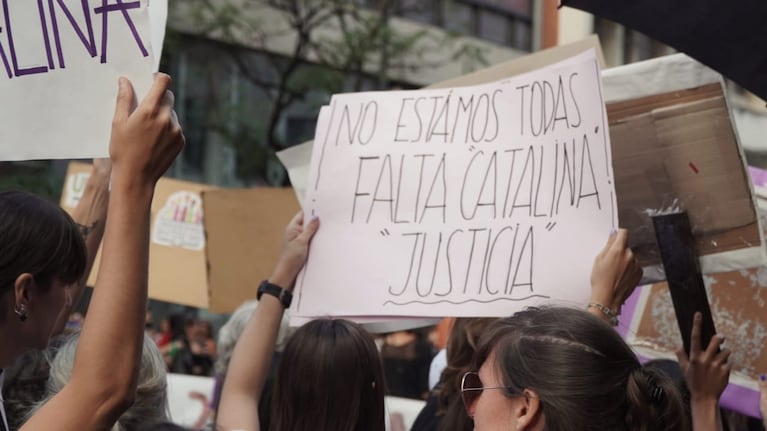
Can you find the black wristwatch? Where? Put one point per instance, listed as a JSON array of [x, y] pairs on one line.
[[283, 295]]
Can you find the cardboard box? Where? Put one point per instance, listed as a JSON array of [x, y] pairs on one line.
[[244, 228], [177, 267]]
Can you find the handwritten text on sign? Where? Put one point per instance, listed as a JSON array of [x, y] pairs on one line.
[[469, 201], [59, 64]]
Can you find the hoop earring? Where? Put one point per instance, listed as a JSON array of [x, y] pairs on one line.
[[21, 312]]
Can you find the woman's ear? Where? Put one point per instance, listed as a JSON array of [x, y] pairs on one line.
[[529, 414], [22, 288]]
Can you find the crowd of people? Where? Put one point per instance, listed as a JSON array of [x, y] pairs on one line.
[[548, 368]]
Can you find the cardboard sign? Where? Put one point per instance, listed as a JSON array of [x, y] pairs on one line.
[[244, 229], [456, 201], [177, 266], [189, 398], [158, 17], [738, 302], [675, 146], [59, 65]]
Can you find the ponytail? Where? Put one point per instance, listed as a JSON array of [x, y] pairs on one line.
[[654, 404]]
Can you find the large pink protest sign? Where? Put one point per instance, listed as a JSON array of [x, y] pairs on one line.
[[455, 202], [59, 65]]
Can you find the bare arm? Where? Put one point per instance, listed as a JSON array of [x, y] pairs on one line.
[[707, 373], [252, 355], [91, 216], [103, 383]]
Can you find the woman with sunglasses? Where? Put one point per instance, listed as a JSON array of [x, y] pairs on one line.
[[563, 369], [615, 274]]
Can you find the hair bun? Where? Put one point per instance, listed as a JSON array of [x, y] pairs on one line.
[[650, 396]]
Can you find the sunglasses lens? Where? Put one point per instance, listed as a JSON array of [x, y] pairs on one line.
[[470, 389]]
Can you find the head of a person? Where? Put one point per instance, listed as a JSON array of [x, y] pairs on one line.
[[203, 329], [330, 377], [150, 405], [177, 325], [165, 325], [563, 369], [230, 333], [42, 253], [461, 347]]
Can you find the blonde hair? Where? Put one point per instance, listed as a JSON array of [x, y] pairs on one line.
[[232, 329], [150, 405]]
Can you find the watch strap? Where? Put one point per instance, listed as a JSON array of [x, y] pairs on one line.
[[278, 292]]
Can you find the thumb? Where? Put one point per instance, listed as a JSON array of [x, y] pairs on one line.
[[126, 99], [310, 229]]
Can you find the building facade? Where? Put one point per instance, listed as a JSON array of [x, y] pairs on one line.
[[226, 113]]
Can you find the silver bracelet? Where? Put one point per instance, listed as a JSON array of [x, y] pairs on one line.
[[611, 316]]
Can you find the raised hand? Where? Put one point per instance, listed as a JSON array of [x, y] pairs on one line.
[[615, 274], [295, 248], [145, 138], [706, 371]]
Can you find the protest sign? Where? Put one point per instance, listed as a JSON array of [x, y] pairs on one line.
[[457, 201], [177, 266], [675, 146], [198, 255], [189, 398], [59, 65], [158, 17], [738, 300], [244, 229]]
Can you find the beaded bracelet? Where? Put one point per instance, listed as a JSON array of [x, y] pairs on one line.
[[611, 316]]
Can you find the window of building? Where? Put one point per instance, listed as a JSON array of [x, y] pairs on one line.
[[506, 22], [518, 8], [458, 18], [299, 129]]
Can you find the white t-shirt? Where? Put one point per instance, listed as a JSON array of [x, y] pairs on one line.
[[438, 364]]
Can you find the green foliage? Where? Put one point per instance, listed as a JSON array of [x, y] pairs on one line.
[[334, 45], [33, 177]]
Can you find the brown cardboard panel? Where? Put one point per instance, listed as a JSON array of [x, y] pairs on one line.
[[680, 149], [738, 305], [176, 273], [244, 228], [738, 302]]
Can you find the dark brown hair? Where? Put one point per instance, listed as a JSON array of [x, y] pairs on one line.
[[461, 347], [330, 377], [39, 238], [585, 375]]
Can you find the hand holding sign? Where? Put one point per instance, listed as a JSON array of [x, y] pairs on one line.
[[295, 249], [615, 273], [707, 373], [453, 201], [145, 141]]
